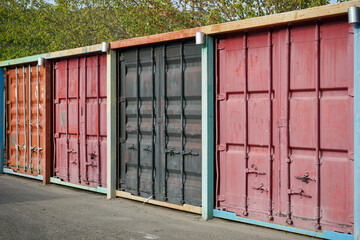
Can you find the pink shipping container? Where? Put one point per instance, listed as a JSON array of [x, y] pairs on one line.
[[79, 85], [284, 125]]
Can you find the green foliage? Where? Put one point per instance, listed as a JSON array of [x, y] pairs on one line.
[[29, 27]]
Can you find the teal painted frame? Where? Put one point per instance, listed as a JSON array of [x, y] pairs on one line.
[[207, 122], [92, 189], [10, 171]]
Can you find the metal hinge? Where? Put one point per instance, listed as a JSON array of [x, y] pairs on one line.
[[220, 97], [221, 46], [122, 99], [122, 58], [220, 147], [351, 92]]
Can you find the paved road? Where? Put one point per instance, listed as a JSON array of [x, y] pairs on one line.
[[29, 210]]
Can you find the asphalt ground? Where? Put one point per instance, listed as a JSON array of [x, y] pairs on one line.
[[30, 210]]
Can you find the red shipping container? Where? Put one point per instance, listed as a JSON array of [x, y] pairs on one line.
[[79, 85], [284, 112]]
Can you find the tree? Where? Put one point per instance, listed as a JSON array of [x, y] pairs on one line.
[[30, 27]]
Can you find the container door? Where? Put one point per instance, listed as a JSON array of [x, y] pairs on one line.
[[160, 123], [25, 109], [80, 120], [245, 149], [284, 130]]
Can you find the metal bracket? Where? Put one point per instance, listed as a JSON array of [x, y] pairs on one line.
[[190, 153], [147, 149], [353, 15], [305, 178]]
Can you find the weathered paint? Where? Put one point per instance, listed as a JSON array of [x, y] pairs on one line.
[[111, 124], [2, 119], [80, 120], [159, 123], [23, 93], [207, 121], [357, 130], [92, 189], [158, 38], [52, 55], [324, 234], [284, 125], [12, 172]]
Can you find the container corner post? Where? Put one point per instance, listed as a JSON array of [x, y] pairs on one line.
[[111, 124], [353, 14], [2, 118]]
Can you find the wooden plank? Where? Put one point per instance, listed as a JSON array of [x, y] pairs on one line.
[[164, 37], [281, 18], [270, 20], [185, 207], [52, 55]]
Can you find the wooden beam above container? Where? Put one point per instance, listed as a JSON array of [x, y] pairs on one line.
[[270, 20]]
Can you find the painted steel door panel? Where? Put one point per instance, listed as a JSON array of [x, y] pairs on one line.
[[160, 122], [290, 89], [26, 119], [80, 120]]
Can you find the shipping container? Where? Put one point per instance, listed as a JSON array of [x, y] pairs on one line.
[[284, 124], [159, 122], [28, 115], [80, 120]]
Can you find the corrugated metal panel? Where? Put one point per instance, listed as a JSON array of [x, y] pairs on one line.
[[285, 125], [26, 116], [160, 122], [80, 120]]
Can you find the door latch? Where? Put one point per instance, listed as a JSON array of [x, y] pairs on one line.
[[301, 193], [171, 151], [261, 188], [254, 170]]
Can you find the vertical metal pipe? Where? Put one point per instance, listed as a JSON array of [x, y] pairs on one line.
[[357, 131], [182, 117], [98, 120], [17, 118], [153, 123], [246, 156], [270, 154], [85, 122], [165, 126], [24, 103], [318, 152], [30, 123], [56, 100], [67, 121], [37, 117], [78, 121], [288, 160], [138, 121]]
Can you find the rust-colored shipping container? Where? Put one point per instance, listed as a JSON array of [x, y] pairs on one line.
[[80, 120], [28, 109], [284, 125]]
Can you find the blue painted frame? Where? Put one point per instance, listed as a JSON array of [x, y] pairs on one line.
[[2, 119], [357, 130], [324, 234]]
